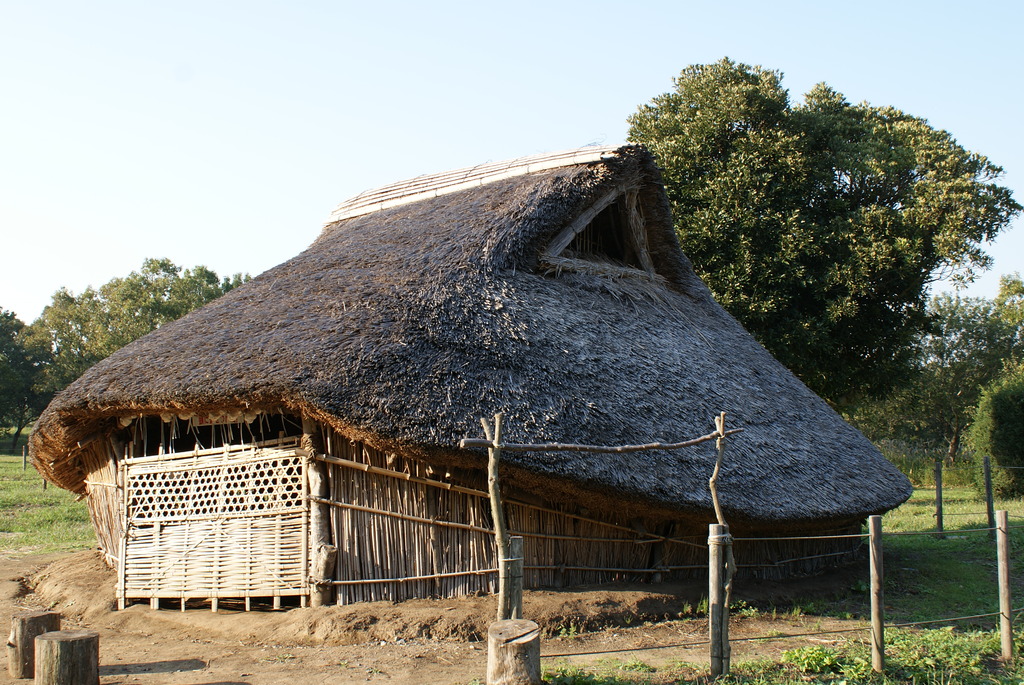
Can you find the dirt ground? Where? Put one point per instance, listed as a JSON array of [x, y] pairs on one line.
[[419, 641]]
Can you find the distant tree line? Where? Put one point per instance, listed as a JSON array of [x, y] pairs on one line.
[[76, 331]]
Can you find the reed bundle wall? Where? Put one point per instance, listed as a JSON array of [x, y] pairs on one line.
[[233, 521], [404, 530], [103, 494]]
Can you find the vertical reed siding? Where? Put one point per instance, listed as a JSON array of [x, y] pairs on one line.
[[213, 523]]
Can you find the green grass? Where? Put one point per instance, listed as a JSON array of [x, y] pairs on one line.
[[925, 657], [927, 577], [36, 521]]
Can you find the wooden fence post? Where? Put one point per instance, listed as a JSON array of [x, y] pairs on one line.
[[68, 657], [498, 514], [938, 499], [989, 501], [1005, 605], [21, 645], [514, 575], [718, 611], [877, 605], [24, 457]]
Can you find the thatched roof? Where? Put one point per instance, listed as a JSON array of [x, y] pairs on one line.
[[402, 326]]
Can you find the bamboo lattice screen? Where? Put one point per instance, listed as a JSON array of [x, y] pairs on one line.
[[215, 523]]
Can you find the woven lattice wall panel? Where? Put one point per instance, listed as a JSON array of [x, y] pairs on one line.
[[230, 524], [240, 483]]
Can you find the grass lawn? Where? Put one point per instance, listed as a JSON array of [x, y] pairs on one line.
[[927, 577], [35, 521]]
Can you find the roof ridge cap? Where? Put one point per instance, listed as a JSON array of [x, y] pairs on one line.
[[443, 183]]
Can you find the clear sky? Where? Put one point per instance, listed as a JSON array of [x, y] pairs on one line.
[[224, 133]]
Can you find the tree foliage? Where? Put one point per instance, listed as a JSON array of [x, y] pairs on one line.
[[80, 330], [22, 361], [820, 226], [969, 344], [998, 431]]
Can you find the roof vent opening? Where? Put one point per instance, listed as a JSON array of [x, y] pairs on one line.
[[611, 232], [604, 239]]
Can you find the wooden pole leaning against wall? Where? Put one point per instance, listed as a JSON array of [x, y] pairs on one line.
[[1005, 602], [513, 643], [323, 554], [877, 598]]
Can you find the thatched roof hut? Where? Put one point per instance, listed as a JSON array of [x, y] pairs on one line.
[[551, 289]]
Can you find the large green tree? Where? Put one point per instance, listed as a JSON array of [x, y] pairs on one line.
[[22, 362], [80, 330], [821, 225]]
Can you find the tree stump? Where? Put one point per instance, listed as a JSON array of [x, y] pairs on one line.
[[68, 657], [21, 646], [513, 653]]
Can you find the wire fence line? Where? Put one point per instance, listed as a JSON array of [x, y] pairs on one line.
[[994, 467], [647, 648], [933, 533], [779, 637], [805, 537], [1006, 615]]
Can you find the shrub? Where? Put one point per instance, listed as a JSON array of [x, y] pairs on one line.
[[998, 431]]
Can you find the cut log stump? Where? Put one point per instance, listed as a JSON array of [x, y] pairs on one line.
[[513, 653], [21, 645], [68, 657]]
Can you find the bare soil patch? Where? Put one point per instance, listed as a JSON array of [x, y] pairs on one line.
[[417, 641]]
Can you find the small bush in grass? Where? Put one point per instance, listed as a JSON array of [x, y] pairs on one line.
[[998, 430], [814, 659], [921, 656]]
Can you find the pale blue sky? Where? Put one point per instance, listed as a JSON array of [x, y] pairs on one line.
[[224, 133]]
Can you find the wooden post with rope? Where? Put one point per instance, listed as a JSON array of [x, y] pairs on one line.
[[721, 565], [520, 638], [513, 644], [1003, 572], [877, 594]]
